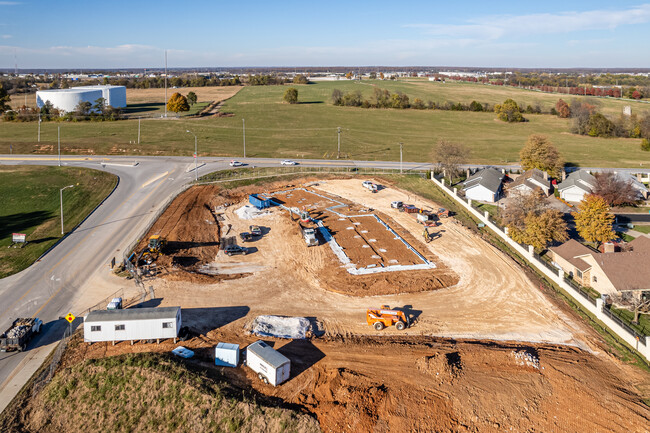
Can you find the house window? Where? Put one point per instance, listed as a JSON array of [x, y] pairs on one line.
[[595, 279], [95, 328], [578, 273], [168, 325], [119, 327]]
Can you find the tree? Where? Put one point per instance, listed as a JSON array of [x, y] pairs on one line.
[[99, 106], [645, 145], [475, 106], [509, 111], [83, 108], [636, 301], [562, 109], [521, 205], [539, 152], [4, 100], [540, 230], [191, 98], [449, 156], [178, 103], [580, 113], [593, 219], [349, 75], [615, 190], [600, 126], [337, 97], [636, 95], [418, 104], [300, 79], [381, 75], [291, 95]]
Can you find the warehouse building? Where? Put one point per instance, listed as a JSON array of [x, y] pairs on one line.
[[67, 99], [132, 324]]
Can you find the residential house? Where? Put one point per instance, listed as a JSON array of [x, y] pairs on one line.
[[576, 186], [639, 187], [484, 185], [531, 180], [606, 272]]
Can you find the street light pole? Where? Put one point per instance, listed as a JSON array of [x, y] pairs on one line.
[[243, 123], [61, 200], [139, 119], [59, 141], [400, 157], [338, 151], [196, 156]]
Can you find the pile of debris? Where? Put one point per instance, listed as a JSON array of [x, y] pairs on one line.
[[281, 327], [248, 212], [18, 331], [525, 358]]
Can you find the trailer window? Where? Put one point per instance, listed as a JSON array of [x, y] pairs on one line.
[[95, 328], [119, 327], [168, 324]]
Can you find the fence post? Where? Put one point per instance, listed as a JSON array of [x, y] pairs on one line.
[[469, 202], [531, 250], [455, 191], [486, 214]]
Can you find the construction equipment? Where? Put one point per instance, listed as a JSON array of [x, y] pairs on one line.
[[153, 249], [372, 187], [443, 213], [309, 234], [384, 316], [19, 333], [397, 204], [428, 237], [409, 208]]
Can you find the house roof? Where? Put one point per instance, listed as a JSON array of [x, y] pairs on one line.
[[533, 178], [132, 314], [571, 251], [625, 270], [268, 354], [581, 179], [490, 178]]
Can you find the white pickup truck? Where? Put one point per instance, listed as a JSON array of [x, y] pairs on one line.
[[370, 186]]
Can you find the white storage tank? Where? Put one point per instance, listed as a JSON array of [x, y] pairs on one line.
[[226, 355], [68, 99], [132, 324], [270, 365]]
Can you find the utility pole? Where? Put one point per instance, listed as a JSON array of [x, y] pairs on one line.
[[338, 153], [139, 119], [59, 141], [165, 83], [61, 200], [400, 157], [243, 125]]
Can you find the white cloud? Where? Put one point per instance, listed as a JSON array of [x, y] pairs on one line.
[[9, 3], [6, 36], [497, 26]]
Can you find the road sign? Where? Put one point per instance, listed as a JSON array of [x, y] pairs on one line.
[[70, 317], [18, 237], [195, 155]]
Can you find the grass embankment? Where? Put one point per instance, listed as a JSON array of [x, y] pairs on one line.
[[308, 129], [642, 229], [144, 393], [30, 205]]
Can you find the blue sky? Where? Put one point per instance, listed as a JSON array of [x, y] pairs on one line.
[[114, 34]]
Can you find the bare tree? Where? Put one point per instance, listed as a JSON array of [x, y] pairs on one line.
[[520, 206], [634, 300], [615, 190], [449, 156]]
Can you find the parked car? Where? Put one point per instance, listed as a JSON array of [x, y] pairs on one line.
[[235, 249], [396, 204], [245, 236], [234, 163], [288, 162], [367, 184], [255, 230]]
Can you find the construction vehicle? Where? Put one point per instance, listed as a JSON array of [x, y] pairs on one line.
[[397, 204], [309, 234], [426, 219], [428, 237], [19, 333], [443, 213], [409, 208], [153, 249], [384, 316]]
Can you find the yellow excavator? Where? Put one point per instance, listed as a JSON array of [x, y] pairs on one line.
[[150, 253]]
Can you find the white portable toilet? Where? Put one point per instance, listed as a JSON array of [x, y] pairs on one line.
[[226, 355]]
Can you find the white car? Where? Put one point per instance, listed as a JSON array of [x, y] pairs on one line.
[[288, 162], [367, 184], [234, 163]]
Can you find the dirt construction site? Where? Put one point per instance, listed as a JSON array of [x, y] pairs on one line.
[[487, 349]]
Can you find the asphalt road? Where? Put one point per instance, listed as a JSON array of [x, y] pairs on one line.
[[46, 288]]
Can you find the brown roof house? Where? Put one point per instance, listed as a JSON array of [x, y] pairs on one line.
[[609, 272], [530, 181]]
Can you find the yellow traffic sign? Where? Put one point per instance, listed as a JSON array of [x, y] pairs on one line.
[[70, 317]]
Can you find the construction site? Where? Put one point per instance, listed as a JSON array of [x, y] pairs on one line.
[[414, 323]]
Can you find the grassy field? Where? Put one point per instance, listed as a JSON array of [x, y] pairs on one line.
[[308, 129], [642, 229], [30, 205]]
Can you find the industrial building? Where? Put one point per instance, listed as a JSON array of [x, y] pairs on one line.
[[67, 99], [132, 324]]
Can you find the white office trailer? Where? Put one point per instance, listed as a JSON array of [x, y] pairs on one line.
[[270, 365], [132, 324], [67, 99], [226, 355]]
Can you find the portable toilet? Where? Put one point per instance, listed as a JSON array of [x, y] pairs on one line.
[[270, 365], [226, 355]]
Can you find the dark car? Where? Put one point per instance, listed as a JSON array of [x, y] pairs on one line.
[[245, 236], [256, 230], [235, 249]]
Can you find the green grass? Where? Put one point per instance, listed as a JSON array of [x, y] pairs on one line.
[[308, 130], [642, 229], [491, 209], [30, 205], [625, 236], [644, 320]]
